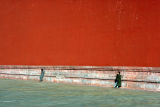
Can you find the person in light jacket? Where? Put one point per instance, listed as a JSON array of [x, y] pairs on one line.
[[42, 75]]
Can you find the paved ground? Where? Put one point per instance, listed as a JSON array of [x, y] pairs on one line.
[[18, 93]]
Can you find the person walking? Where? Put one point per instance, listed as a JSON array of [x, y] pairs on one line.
[[42, 75], [118, 81]]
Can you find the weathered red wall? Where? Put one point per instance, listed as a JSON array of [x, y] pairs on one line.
[[80, 32]]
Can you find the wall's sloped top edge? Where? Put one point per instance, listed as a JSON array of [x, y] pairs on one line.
[[99, 68]]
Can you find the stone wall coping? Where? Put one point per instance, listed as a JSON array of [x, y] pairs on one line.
[[96, 68]]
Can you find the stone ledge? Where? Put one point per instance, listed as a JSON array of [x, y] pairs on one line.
[[146, 78]]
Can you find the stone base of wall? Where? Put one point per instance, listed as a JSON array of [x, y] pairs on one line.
[[145, 78]]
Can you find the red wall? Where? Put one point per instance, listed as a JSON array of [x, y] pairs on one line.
[[80, 32]]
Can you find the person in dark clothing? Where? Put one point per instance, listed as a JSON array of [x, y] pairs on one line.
[[42, 75], [118, 81]]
